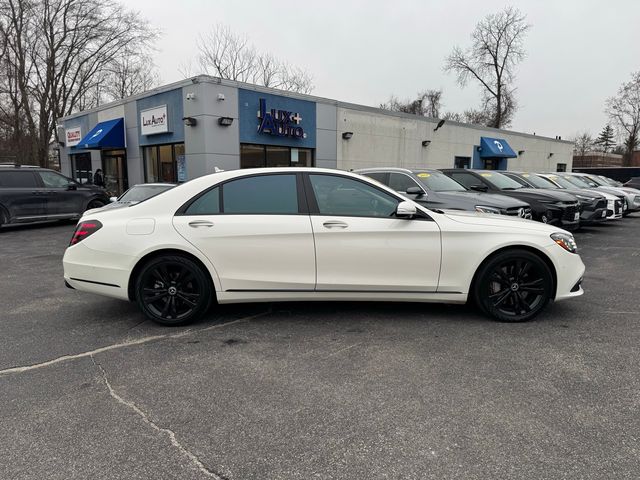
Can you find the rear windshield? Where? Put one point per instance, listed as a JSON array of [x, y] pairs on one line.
[[439, 182], [143, 192]]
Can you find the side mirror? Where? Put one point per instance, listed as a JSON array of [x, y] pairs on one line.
[[479, 188], [113, 199], [72, 186], [415, 191], [405, 210]]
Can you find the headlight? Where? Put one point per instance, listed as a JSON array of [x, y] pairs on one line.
[[566, 241], [585, 198], [483, 209]]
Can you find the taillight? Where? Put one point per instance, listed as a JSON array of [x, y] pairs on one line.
[[84, 230]]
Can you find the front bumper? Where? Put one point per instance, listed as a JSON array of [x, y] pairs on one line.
[[589, 217]]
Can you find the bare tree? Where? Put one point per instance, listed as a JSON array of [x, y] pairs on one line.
[[582, 144], [432, 102], [427, 104], [56, 53], [491, 60], [624, 111], [130, 74], [228, 55]]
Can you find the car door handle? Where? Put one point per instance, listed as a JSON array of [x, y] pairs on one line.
[[334, 224], [200, 223]]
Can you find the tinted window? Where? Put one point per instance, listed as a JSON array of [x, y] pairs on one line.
[[347, 197], [53, 180], [275, 194], [521, 181], [207, 204], [18, 180], [537, 181], [378, 176], [143, 192], [500, 181], [465, 179], [400, 182]]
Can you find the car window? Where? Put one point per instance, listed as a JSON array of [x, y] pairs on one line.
[[378, 176], [466, 179], [18, 180], [264, 194], [343, 196], [439, 182], [207, 204], [500, 181], [53, 180], [143, 192], [400, 182], [521, 181]]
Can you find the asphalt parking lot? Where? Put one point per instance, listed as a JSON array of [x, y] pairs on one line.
[[90, 390]]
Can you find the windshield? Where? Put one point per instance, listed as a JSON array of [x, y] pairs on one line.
[[439, 182], [610, 181], [538, 182], [590, 181], [562, 182], [577, 181], [143, 192], [501, 181]]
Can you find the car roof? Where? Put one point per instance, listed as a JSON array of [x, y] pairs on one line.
[[395, 169]]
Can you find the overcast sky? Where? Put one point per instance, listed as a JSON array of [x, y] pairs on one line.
[[579, 51]]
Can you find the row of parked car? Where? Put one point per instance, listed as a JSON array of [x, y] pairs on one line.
[[567, 200]]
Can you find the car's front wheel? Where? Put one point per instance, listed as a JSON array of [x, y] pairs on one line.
[[513, 286], [173, 290]]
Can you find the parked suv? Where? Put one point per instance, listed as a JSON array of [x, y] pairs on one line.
[[32, 194], [434, 189], [548, 206], [593, 205]]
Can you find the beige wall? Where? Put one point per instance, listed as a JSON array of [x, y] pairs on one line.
[[389, 140]]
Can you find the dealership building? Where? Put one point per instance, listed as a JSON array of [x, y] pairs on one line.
[[188, 129]]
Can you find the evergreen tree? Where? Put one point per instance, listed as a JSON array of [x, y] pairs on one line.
[[606, 138]]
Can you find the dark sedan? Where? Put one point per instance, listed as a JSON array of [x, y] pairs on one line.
[[548, 206], [434, 189]]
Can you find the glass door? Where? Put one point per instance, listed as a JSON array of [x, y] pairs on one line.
[[114, 171], [81, 168]]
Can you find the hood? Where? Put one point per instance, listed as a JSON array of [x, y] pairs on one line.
[[541, 194], [488, 199], [502, 221]]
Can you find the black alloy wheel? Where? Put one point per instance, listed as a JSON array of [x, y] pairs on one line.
[[173, 290], [513, 286]]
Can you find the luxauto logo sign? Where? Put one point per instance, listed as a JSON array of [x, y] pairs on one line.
[[73, 136], [281, 123], [154, 120]]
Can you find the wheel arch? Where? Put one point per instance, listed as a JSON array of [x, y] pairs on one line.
[[162, 252], [539, 253]]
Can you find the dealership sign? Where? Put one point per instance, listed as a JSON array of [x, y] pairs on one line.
[[281, 123], [73, 136], [154, 120]]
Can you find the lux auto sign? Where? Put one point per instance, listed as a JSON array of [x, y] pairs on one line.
[[154, 120], [281, 123]]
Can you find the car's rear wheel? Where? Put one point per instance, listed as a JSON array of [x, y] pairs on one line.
[[173, 290], [513, 286]]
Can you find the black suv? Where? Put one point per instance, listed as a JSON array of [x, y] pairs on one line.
[[31, 194], [434, 189], [548, 206]]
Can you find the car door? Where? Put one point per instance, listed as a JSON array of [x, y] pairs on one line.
[[21, 194], [256, 231], [362, 246], [61, 195]]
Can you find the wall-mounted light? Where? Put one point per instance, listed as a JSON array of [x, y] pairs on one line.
[[190, 121], [425, 143], [520, 152], [550, 155], [347, 135], [221, 96], [191, 96], [225, 121], [440, 124]]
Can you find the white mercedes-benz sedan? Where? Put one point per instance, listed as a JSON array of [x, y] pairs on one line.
[[291, 234]]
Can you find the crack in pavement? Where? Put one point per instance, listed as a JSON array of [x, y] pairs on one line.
[[140, 341], [145, 418]]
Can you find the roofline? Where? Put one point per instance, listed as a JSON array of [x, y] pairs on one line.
[[301, 96]]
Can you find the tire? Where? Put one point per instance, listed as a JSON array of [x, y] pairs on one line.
[[95, 203], [173, 290], [513, 286], [4, 219]]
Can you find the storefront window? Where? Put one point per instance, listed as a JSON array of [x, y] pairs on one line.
[[253, 156], [81, 168], [161, 162]]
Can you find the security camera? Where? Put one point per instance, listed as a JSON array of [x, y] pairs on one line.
[[221, 96], [191, 96]]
